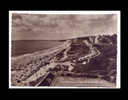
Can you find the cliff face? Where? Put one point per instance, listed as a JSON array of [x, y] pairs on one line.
[[95, 55]]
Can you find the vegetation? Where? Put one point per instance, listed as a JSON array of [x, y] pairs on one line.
[[105, 63]]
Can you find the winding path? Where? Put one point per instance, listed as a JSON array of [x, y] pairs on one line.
[[93, 52]]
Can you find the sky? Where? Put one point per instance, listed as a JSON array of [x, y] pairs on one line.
[[60, 26]]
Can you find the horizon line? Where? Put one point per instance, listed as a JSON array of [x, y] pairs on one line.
[[65, 39]]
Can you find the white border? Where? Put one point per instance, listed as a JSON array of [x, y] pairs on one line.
[[69, 12], [118, 51], [10, 31]]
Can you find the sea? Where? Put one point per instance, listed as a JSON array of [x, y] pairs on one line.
[[20, 47]]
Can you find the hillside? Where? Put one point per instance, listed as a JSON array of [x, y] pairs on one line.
[[92, 57]]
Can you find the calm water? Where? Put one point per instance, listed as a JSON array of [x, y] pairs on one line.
[[21, 47]]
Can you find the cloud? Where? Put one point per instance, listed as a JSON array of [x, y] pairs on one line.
[[44, 26]]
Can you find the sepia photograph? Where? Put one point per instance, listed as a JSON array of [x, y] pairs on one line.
[[64, 49]]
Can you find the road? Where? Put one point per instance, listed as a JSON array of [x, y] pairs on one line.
[[92, 53]]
